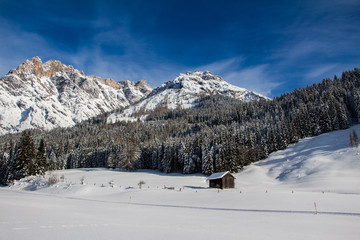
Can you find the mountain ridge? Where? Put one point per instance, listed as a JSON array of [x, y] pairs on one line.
[[51, 94], [183, 92]]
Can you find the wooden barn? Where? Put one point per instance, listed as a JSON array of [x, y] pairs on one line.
[[222, 180]]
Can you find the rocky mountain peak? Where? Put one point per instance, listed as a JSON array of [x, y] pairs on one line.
[[53, 66], [203, 75], [52, 94], [108, 82], [143, 86], [38, 69], [33, 66]]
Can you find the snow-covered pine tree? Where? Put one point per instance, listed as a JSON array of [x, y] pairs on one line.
[[342, 116], [167, 159], [112, 160], [41, 162], [4, 165], [207, 159], [324, 118], [23, 162], [190, 159], [154, 158], [181, 156], [130, 153]]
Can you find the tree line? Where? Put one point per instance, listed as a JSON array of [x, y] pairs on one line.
[[219, 134], [22, 159]]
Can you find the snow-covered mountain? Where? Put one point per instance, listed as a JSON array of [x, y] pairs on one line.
[[183, 91], [51, 94]]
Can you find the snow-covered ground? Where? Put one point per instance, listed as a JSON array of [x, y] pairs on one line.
[[273, 199]]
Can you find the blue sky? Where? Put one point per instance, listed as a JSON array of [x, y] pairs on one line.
[[269, 46]]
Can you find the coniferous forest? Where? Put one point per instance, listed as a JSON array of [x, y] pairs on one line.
[[219, 134]]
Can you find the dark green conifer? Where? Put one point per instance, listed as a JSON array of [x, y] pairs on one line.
[[41, 162]]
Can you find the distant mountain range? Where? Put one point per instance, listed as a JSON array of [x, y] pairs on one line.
[[182, 92], [51, 94]]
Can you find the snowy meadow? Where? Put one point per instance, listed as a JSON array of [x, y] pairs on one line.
[[310, 190]]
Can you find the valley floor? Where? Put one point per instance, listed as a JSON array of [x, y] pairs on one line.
[[309, 191], [169, 214]]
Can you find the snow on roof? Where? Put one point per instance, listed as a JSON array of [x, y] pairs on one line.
[[218, 175]]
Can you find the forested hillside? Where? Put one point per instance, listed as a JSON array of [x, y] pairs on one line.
[[219, 134]]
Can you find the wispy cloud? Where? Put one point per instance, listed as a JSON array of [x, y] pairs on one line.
[[322, 41], [132, 58], [317, 40], [295, 50], [223, 65], [134, 62], [17, 45], [122, 67], [258, 78], [319, 71]]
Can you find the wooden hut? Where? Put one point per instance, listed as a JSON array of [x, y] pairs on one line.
[[222, 180]]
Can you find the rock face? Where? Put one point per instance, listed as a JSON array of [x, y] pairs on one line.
[[182, 92], [51, 94]]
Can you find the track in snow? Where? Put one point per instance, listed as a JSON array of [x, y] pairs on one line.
[[250, 210], [209, 208]]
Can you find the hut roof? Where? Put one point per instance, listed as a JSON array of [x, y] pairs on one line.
[[219, 175]]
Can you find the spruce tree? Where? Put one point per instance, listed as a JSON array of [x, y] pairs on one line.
[[167, 159], [4, 166], [41, 162], [207, 159], [112, 161], [22, 164], [130, 153]]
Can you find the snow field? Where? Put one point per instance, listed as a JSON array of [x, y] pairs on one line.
[[43, 216]]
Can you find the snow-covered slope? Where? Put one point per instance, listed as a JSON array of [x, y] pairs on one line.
[[37, 95], [183, 91], [324, 163], [311, 190]]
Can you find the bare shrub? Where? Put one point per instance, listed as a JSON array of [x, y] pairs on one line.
[[82, 179], [111, 183], [53, 179], [354, 139], [141, 182]]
